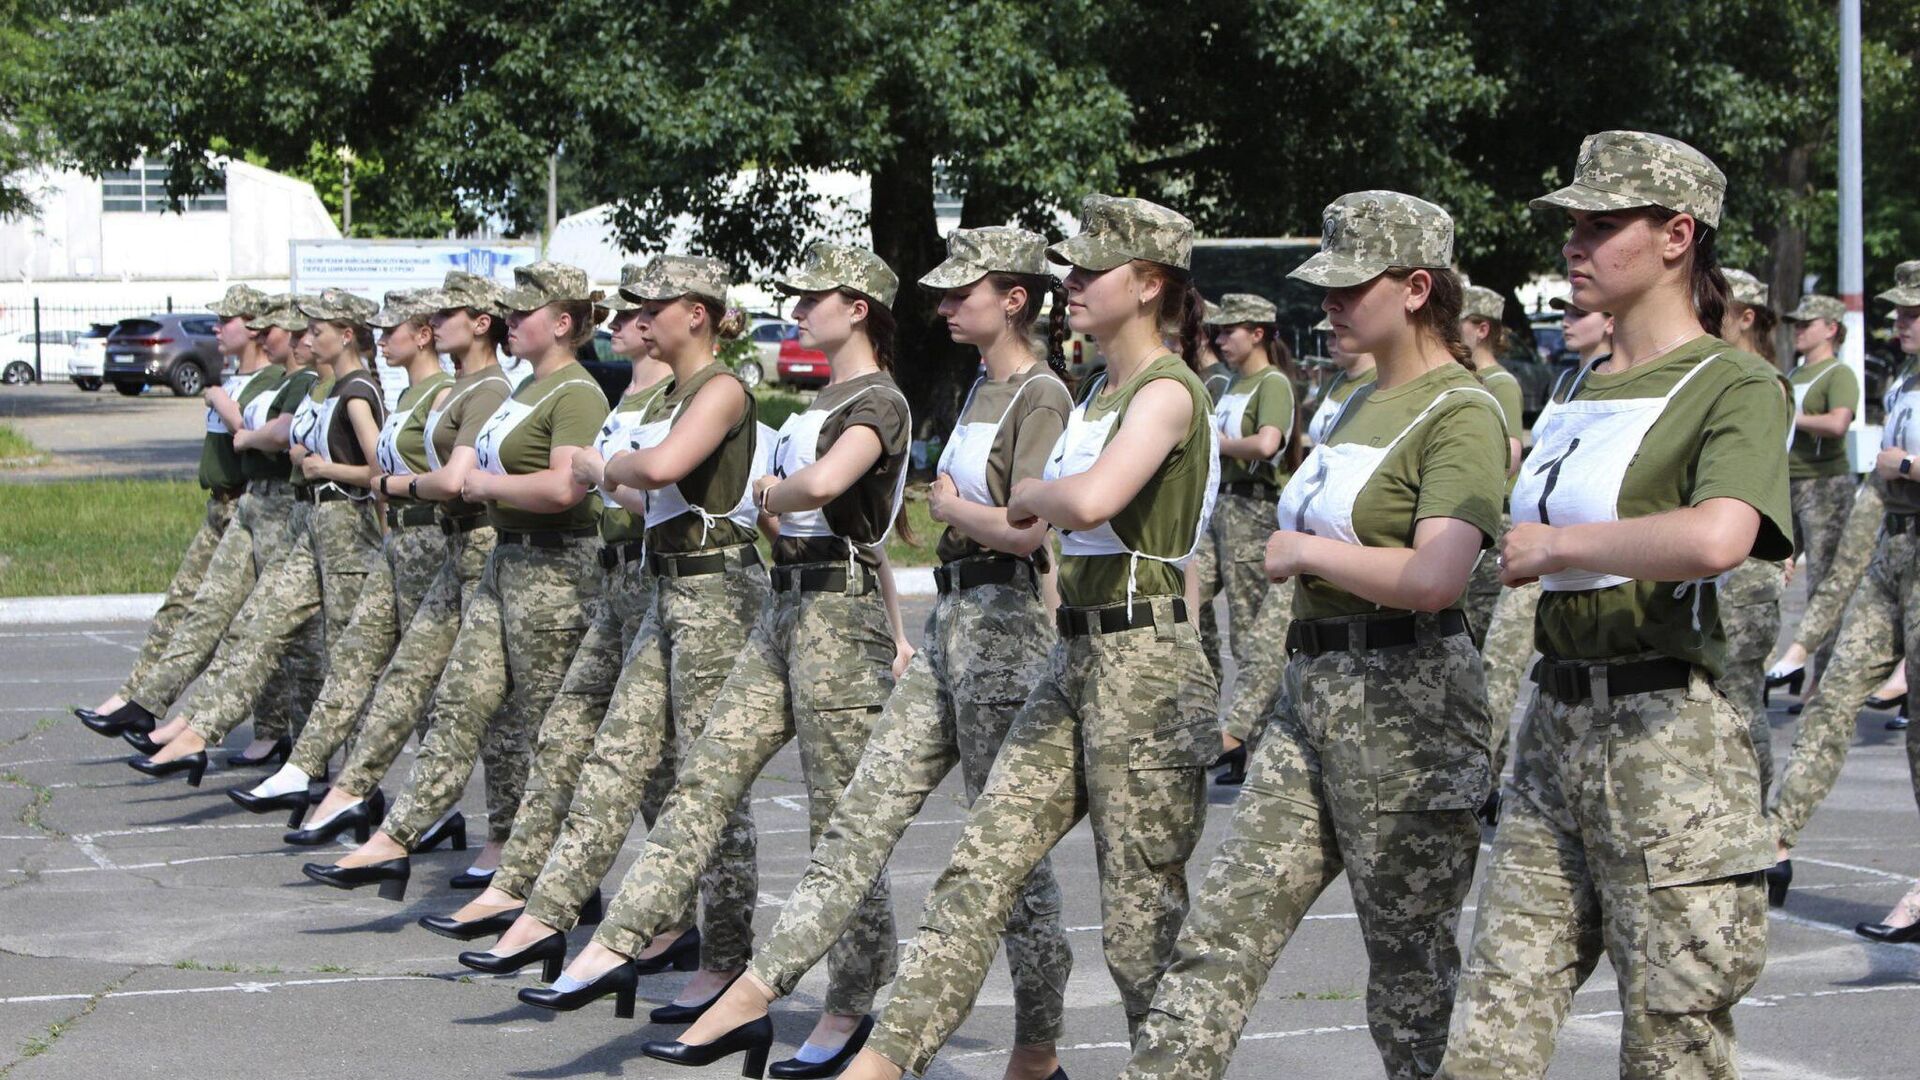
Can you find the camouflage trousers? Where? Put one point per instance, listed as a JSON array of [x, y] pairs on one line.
[[400, 696], [1257, 678], [259, 534], [516, 638], [1820, 508], [1374, 764], [1507, 655], [1633, 828], [1118, 729], [818, 667], [985, 647], [672, 677], [567, 731], [397, 580], [1750, 613], [1232, 559], [1820, 622], [1483, 592], [178, 601], [1881, 625], [320, 577]]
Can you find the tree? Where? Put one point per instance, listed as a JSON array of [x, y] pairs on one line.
[[26, 142]]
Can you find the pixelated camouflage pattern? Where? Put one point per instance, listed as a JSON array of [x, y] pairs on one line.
[[240, 300], [547, 282], [1483, 592], [1906, 285], [825, 266], [1118, 729], [181, 588], [1507, 657], [630, 273], [1609, 846], [1478, 301], [1747, 289], [282, 310], [338, 305], [1821, 506], [1814, 306], [997, 249], [1236, 308], [1232, 559], [1820, 621], [1622, 170], [464, 290], [669, 277], [1752, 628], [1365, 233], [1115, 231], [954, 705], [1261, 667], [401, 305]]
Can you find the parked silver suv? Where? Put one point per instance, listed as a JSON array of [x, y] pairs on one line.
[[172, 349]]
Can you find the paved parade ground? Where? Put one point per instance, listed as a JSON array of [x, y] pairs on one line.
[[148, 929]]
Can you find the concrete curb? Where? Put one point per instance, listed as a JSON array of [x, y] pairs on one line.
[[139, 607]]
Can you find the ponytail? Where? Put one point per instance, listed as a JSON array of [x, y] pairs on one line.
[[1183, 311], [879, 327], [1040, 287], [1706, 284], [1439, 318]]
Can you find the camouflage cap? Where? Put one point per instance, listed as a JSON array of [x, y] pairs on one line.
[[1623, 170], [617, 301], [464, 290], [974, 253], [338, 305], [1480, 302], [240, 300], [1906, 285], [1114, 231], [281, 310], [669, 277], [1365, 233], [1814, 306], [401, 305], [1746, 289], [826, 267], [547, 282], [1235, 308]]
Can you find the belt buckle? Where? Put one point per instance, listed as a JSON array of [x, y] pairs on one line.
[[1563, 682], [942, 579], [1310, 638]]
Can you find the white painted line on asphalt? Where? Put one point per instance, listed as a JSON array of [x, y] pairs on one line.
[[62, 761], [40, 634], [169, 862], [102, 639], [1871, 871], [53, 610], [1837, 930], [94, 854], [61, 681], [232, 988]]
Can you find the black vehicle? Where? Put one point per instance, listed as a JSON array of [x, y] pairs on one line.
[[175, 350], [1260, 266]]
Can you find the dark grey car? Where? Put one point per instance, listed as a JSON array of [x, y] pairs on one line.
[[172, 349]]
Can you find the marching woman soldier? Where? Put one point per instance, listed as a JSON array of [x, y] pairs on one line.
[[1116, 728], [1882, 620], [819, 662], [337, 433], [1825, 397], [1633, 824], [626, 599], [221, 474], [519, 633], [987, 640], [469, 325], [1486, 335], [258, 535], [1378, 751], [410, 556]]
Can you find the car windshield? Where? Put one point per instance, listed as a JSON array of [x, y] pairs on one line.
[[767, 333], [136, 328]]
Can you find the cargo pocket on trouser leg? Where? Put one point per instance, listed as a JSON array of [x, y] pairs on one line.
[[1706, 925]]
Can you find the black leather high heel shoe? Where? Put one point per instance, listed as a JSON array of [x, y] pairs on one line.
[[276, 754], [449, 927], [795, 1069], [360, 817], [549, 951], [617, 981], [1792, 680], [452, 827], [390, 875], [672, 1013], [139, 741], [682, 955], [468, 880], [294, 802], [194, 765], [1885, 702], [128, 717], [1891, 935], [1779, 878], [755, 1037], [1235, 772]]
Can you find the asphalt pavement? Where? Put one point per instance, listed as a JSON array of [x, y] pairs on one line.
[[104, 435], [151, 929]]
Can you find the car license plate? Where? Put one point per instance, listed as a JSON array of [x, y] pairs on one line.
[[800, 369]]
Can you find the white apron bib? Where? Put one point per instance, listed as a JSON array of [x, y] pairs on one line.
[[964, 460], [510, 414], [434, 416], [796, 446], [1800, 393], [1230, 415], [387, 450], [234, 385], [1329, 410]]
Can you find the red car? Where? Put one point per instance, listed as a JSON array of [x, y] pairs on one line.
[[800, 366]]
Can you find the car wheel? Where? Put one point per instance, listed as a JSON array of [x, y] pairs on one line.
[[18, 373], [750, 373], [186, 379], [129, 389], [89, 384]]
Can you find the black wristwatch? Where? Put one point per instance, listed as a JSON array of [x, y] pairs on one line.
[[413, 488], [1906, 465], [383, 486]]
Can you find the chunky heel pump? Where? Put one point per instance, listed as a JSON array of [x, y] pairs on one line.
[[550, 952], [276, 754], [449, 927], [619, 982], [672, 1013], [194, 765], [390, 875], [1890, 935], [453, 828], [682, 955], [128, 717], [361, 818], [1779, 879], [795, 1069], [755, 1037], [294, 802], [1899, 723], [468, 880], [1792, 680]]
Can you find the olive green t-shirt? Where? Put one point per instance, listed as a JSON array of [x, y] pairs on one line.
[[317, 392], [1451, 464], [1833, 387], [219, 461], [1505, 390], [617, 523], [343, 444], [718, 483], [863, 512], [470, 401], [416, 401], [1334, 393], [1163, 518], [568, 409], [1270, 405], [1216, 377], [1721, 437], [1031, 411], [292, 386]]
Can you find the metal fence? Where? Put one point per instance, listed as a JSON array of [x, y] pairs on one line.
[[43, 336]]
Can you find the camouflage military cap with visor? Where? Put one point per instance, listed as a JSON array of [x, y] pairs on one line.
[[1366, 233], [826, 267], [1115, 231], [1237, 308], [996, 249], [1625, 170]]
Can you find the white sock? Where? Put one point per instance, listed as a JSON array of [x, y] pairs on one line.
[[335, 814], [814, 1054], [477, 872], [567, 984], [285, 782]]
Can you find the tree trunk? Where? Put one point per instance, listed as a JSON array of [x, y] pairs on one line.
[[1789, 250], [932, 371]]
